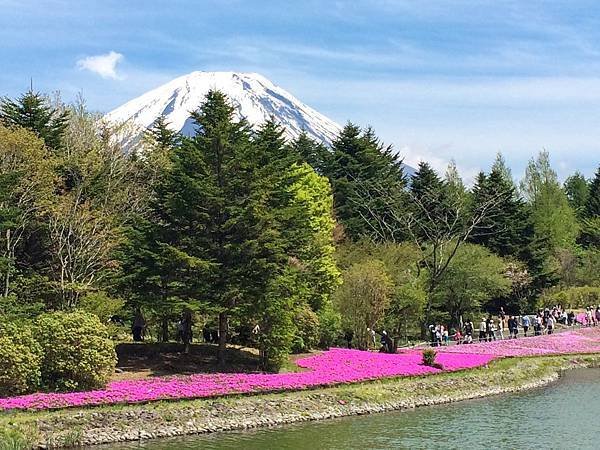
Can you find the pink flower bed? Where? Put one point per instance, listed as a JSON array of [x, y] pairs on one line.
[[583, 340], [328, 368], [332, 367]]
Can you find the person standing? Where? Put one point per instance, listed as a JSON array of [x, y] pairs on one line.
[[515, 331], [469, 332], [501, 327], [526, 322], [138, 326], [550, 325], [482, 330]]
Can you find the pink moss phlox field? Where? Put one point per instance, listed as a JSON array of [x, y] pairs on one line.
[[328, 368], [334, 366], [583, 340]]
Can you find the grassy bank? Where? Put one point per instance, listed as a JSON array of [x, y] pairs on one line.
[[165, 419]]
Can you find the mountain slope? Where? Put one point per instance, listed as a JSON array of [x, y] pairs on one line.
[[253, 96]]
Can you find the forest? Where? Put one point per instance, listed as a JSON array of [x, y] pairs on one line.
[[284, 246]]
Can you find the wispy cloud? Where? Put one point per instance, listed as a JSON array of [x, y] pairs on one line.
[[104, 65]]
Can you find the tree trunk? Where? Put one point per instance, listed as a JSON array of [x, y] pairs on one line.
[[223, 329], [7, 275]]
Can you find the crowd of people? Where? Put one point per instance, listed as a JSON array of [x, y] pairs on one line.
[[506, 326]]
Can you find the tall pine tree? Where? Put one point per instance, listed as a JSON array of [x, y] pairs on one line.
[[366, 176], [34, 112], [592, 205]]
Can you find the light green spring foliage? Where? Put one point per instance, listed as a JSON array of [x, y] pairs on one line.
[[475, 275], [101, 305], [401, 261], [364, 297], [311, 275], [77, 353], [20, 359], [311, 236], [553, 218], [572, 297]]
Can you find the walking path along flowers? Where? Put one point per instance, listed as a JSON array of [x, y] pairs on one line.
[[334, 366]]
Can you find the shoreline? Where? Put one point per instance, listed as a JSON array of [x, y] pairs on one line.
[[114, 424]]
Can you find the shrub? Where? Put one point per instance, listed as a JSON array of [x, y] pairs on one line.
[[20, 359], [77, 351], [101, 305], [573, 297], [330, 326], [307, 330], [429, 357]]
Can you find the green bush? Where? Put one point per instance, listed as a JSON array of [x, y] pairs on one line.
[[330, 326], [101, 305], [77, 351], [573, 297], [307, 330], [429, 357], [20, 359]]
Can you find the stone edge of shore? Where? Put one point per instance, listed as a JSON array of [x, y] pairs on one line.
[[280, 411]]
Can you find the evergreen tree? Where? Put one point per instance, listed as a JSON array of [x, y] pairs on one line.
[[365, 175], [503, 230], [428, 196], [313, 153], [592, 205], [34, 112], [500, 166], [161, 135], [577, 189], [454, 184]]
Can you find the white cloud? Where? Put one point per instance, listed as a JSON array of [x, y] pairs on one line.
[[104, 65]]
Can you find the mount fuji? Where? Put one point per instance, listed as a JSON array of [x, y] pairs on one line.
[[254, 97]]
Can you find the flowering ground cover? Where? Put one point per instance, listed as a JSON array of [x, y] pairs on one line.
[[332, 367], [582, 340]]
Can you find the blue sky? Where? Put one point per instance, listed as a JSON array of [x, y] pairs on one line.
[[437, 79]]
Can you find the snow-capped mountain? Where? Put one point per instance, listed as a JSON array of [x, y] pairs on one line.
[[254, 97]]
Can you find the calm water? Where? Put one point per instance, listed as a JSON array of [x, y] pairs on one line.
[[563, 415]]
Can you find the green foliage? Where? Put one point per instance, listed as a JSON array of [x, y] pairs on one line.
[[277, 313], [330, 326], [474, 276], [552, 216], [20, 359], [307, 330], [577, 189], [573, 297], [504, 229], [77, 353], [34, 112], [402, 263], [592, 205], [26, 184], [313, 153], [101, 305], [429, 356], [590, 232], [363, 297], [17, 438], [365, 175]]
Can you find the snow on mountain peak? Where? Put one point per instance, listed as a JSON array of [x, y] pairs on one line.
[[254, 97]]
